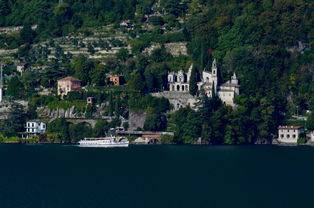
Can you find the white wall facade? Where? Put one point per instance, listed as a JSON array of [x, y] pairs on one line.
[[36, 127], [289, 134], [312, 136]]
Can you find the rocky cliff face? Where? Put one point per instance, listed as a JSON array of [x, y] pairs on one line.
[[5, 108], [71, 112], [59, 113], [175, 49], [136, 120]]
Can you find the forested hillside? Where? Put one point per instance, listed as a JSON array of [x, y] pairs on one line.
[[269, 44]]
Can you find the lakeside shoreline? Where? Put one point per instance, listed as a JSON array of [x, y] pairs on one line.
[[137, 144]]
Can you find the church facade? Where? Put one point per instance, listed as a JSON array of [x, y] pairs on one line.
[[179, 83]]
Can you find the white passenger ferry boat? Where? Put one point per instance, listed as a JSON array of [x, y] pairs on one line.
[[104, 142]]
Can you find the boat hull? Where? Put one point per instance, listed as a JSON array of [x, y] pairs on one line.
[[104, 145]]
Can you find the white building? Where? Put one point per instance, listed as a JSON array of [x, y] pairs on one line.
[[289, 134], [35, 127], [312, 136], [229, 90], [179, 82]]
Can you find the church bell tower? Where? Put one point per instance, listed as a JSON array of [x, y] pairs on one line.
[[214, 74]]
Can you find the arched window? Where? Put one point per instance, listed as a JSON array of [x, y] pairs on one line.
[[182, 87], [178, 87], [173, 88]]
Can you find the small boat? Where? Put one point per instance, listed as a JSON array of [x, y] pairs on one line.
[[104, 142]]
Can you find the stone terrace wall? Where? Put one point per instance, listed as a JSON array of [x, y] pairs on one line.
[[178, 99]]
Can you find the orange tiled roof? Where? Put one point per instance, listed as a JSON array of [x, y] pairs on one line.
[[69, 79]]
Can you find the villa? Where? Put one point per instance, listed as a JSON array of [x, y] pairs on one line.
[[290, 134], [35, 127], [68, 84]]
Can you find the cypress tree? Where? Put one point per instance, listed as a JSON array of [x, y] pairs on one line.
[[193, 82], [213, 90]]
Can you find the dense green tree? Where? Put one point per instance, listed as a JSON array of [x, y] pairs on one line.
[[137, 82], [187, 126], [123, 54], [101, 128], [173, 7], [156, 20], [15, 88], [90, 49], [82, 67], [16, 120], [60, 126], [193, 82], [151, 82], [98, 75], [27, 34], [4, 7], [310, 122], [79, 131], [90, 109], [155, 122]]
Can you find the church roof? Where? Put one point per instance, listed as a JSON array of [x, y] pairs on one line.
[[229, 84], [225, 90]]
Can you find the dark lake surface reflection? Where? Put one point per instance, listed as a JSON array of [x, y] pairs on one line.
[[44, 176]]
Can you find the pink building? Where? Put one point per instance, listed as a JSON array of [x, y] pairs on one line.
[[68, 84]]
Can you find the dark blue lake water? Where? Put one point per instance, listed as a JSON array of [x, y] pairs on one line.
[[44, 176]]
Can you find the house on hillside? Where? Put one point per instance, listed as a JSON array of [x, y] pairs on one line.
[[35, 127], [68, 84], [116, 80], [127, 24], [290, 134], [90, 100]]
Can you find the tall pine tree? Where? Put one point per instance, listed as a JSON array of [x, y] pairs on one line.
[[193, 82]]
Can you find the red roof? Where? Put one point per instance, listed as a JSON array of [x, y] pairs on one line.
[[70, 79], [290, 127]]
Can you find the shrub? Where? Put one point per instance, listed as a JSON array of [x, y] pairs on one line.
[[166, 139]]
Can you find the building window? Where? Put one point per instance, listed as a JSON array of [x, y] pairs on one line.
[[294, 136], [288, 136], [282, 135]]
